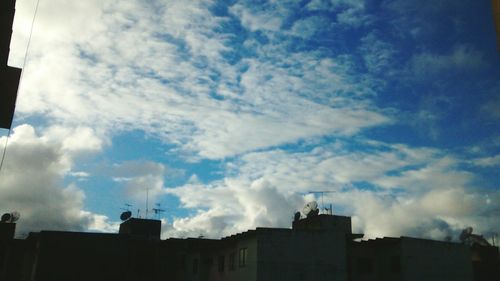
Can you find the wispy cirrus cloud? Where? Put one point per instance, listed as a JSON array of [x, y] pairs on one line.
[[487, 161], [173, 81], [348, 13], [460, 58], [282, 95]]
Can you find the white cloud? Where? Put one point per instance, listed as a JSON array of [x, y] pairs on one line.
[[267, 20], [460, 58], [378, 55], [309, 26], [412, 191], [101, 223], [125, 71], [75, 140], [492, 106], [141, 180], [232, 206], [32, 182], [79, 174], [487, 161], [350, 13], [163, 67], [418, 20]]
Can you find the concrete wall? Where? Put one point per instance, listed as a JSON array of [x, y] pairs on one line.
[[301, 255], [409, 259], [375, 260], [62, 256], [435, 260], [232, 246]]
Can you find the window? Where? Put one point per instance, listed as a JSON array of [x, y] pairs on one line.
[[221, 264], [365, 265], [242, 261], [231, 260], [195, 266]]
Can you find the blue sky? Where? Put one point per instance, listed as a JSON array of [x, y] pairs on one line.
[[229, 112]]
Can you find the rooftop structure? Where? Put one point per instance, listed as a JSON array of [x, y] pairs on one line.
[[145, 228], [317, 248], [496, 17], [9, 76]]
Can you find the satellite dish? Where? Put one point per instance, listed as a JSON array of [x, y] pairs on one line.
[[466, 233], [6, 217], [310, 207], [14, 216], [468, 230], [10, 217], [125, 215]]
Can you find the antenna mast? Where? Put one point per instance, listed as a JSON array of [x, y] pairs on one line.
[[321, 192], [147, 201], [158, 210]]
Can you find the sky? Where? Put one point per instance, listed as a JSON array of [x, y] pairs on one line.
[[228, 113]]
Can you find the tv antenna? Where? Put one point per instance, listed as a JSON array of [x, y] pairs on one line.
[[158, 210], [322, 192], [494, 238], [147, 202], [127, 207]]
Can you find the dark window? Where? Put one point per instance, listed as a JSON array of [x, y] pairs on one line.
[[395, 264], [195, 266], [231, 260], [365, 265], [242, 261], [221, 264]]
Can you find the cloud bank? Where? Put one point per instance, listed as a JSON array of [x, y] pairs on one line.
[[32, 180], [284, 96]]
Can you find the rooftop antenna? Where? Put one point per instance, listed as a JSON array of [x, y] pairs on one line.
[[127, 207], [147, 201], [158, 210], [494, 238], [322, 192]]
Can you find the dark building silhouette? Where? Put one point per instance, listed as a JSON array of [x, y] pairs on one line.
[[9, 76], [408, 258], [143, 228], [317, 248], [496, 17]]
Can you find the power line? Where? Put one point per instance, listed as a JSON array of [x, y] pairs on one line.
[[21, 78]]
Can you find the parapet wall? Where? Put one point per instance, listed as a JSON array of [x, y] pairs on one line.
[[324, 222]]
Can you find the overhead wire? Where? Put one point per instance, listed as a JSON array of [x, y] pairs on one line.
[[21, 78]]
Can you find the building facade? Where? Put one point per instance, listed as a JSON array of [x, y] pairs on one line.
[[9, 76], [409, 259], [318, 248]]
